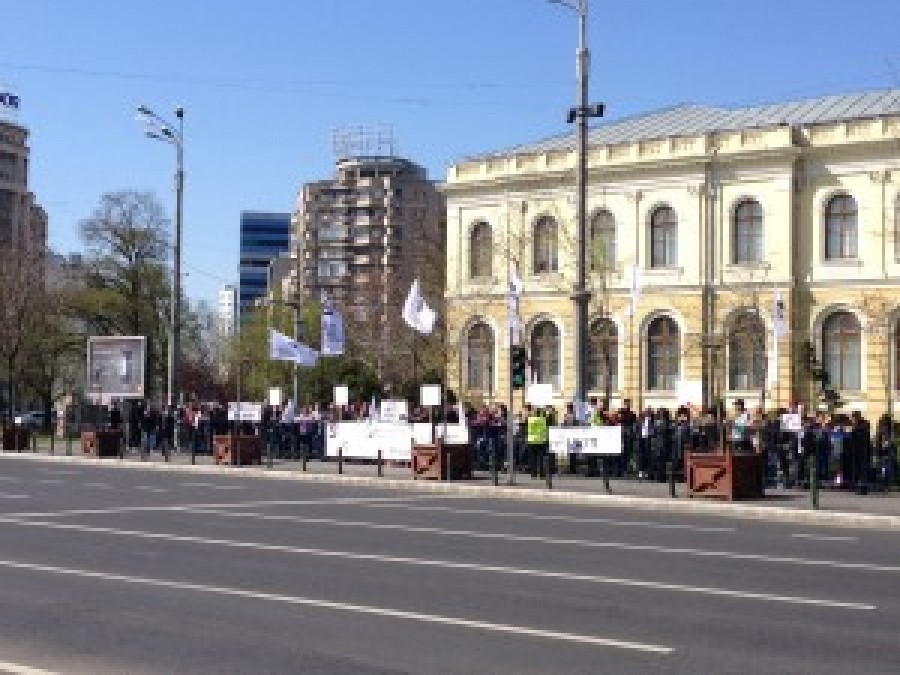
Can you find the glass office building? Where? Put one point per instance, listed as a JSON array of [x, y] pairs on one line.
[[264, 236]]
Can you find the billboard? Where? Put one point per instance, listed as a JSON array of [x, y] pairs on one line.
[[115, 368]]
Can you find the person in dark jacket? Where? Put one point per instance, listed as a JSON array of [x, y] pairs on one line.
[[861, 451], [660, 445], [884, 452]]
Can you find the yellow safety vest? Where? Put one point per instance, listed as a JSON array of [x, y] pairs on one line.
[[537, 430]]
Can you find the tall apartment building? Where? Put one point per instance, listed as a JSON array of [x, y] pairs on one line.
[[765, 242], [363, 237], [264, 236], [23, 223]]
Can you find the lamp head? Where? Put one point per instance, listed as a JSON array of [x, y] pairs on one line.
[[179, 112], [144, 110]]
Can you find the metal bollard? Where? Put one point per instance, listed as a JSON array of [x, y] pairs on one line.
[[194, 447], [34, 445], [670, 467], [68, 444], [380, 463], [121, 447], [605, 468], [813, 481], [52, 443], [303, 456], [548, 470], [270, 449], [340, 459], [495, 477]]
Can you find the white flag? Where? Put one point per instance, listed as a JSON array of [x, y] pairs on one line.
[[283, 348], [514, 290], [332, 329], [635, 290], [779, 322], [416, 313]]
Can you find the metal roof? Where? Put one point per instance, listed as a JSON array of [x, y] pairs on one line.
[[692, 120]]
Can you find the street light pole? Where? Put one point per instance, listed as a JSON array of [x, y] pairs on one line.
[[581, 295], [159, 129]]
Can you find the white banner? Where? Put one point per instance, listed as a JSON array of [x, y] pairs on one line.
[[586, 440], [341, 395], [249, 412], [393, 411], [362, 440], [792, 422], [540, 394], [430, 395]]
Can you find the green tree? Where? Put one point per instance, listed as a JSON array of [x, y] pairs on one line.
[[126, 277]]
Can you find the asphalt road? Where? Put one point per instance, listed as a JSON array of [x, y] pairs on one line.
[[113, 570]]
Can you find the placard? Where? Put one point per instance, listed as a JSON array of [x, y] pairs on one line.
[[539, 395], [690, 392], [249, 412], [341, 395], [115, 368], [586, 440], [430, 395], [393, 411], [792, 422], [275, 397]]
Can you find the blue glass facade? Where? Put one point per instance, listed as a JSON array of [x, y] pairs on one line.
[[264, 236]]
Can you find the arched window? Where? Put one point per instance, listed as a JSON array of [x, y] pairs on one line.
[[480, 358], [603, 241], [747, 233], [545, 353], [897, 355], [663, 354], [841, 354], [480, 251], [747, 353], [663, 238], [545, 246], [840, 227], [603, 356]]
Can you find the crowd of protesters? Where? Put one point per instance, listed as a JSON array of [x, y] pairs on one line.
[[845, 450]]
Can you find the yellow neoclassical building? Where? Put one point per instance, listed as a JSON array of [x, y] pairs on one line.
[[732, 253]]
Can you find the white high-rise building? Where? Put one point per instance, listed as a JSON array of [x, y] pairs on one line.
[[226, 311]]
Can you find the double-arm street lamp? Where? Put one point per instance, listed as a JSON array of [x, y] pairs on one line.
[[580, 114], [159, 129]]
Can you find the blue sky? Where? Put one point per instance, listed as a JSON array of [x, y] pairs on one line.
[[264, 83]]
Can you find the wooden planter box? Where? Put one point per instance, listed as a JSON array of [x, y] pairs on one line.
[[724, 475], [437, 461], [16, 439], [101, 443], [249, 450]]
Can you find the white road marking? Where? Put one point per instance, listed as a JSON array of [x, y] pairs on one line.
[[228, 487], [103, 486], [9, 495], [150, 488], [822, 537], [346, 607], [197, 484], [50, 481], [444, 564], [10, 479], [18, 669], [230, 505], [557, 518], [60, 472], [649, 548]]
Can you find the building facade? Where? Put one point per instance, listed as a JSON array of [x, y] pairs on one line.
[[363, 237], [23, 223], [731, 253], [264, 236]]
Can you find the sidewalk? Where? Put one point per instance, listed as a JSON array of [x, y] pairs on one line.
[[836, 508]]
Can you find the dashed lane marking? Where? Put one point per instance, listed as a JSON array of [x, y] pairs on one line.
[[475, 534], [822, 537], [555, 518], [19, 669], [444, 564], [386, 612]]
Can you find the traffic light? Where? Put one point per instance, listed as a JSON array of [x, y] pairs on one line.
[[518, 364]]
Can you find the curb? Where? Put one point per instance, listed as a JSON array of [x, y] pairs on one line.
[[678, 506]]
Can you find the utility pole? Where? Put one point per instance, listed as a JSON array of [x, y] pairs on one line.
[[581, 295]]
